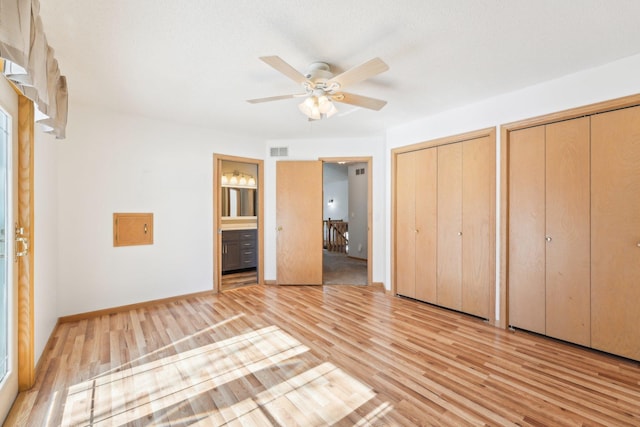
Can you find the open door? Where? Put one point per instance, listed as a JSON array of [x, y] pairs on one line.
[[299, 222]]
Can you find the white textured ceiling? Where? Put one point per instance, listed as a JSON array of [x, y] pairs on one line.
[[196, 61]]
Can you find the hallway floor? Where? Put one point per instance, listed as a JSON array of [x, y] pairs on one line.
[[339, 269]]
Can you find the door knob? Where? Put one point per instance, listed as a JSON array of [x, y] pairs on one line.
[[548, 238], [639, 244], [459, 233], [21, 243], [279, 228]]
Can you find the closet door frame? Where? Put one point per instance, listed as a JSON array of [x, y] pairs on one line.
[[505, 133], [459, 138]]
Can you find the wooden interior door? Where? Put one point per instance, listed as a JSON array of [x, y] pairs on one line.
[[615, 232], [526, 271], [426, 214], [478, 225], [568, 230], [405, 218], [299, 222], [449, 274]]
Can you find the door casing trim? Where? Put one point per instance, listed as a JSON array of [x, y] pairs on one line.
[[217, 218]]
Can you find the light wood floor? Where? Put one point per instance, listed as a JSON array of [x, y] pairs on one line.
[[332, 355], [239, 279]]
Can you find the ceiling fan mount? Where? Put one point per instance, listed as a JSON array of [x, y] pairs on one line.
[[321, 87], [318, 70]]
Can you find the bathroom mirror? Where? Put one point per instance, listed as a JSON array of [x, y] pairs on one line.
[[237, 202]]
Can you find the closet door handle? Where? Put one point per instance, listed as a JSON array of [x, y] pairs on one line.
[[548, 238], [459, 233]]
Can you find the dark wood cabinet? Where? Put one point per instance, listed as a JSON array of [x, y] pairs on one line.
[[239, 250]]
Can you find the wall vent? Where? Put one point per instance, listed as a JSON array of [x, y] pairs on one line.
[[279, 151]]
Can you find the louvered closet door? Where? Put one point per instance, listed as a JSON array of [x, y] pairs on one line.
[[405, 251], [568, 229], [426, 199], [478, 230], [615, 232], [449, 275], [526, 275]]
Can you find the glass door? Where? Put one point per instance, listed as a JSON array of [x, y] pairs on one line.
[[8, 282], [4, 289]]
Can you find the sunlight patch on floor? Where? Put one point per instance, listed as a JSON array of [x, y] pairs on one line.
[[135, 392], [257, 378]]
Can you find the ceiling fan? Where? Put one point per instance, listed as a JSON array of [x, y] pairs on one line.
[[321, 87]]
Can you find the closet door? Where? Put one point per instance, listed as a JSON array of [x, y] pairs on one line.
[[405, 251], [478, 225], [615, 232], [426, 213], [449, 275], [526, 274], [568, 230]]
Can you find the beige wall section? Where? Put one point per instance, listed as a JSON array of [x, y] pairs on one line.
[[46, 264]]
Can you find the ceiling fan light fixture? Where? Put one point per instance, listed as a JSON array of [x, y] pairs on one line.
[[332, 110], [309, 108], [324, 104], [322, 89], [310, 102], [318, 107]]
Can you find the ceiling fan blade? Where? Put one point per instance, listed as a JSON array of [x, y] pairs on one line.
[[278, 64], [275, 98], [360, 72], [359, 100]]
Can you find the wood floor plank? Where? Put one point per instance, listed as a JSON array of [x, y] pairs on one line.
[[331, 355]]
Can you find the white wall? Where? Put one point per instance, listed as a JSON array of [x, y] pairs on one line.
[[313, 149], [606, 82], [45, 280], [116, 163], [358, 192], [113, 162], [335, 187]]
